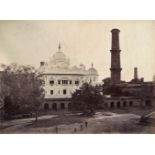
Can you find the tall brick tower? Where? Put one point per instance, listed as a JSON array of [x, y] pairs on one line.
[[135, 73], [115, 58]]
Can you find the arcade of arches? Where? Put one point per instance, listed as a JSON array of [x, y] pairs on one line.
[[107, 104], [126, 103], [56, 106], [119, 104]]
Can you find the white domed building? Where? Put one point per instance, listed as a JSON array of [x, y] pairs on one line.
[[61, 80]]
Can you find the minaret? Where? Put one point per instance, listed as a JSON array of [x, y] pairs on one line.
[[115, 58], [135, 73]]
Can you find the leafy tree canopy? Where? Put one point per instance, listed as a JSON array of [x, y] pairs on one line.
[[21, 89], [87, 98]]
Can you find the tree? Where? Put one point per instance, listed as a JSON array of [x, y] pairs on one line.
[[87, 98], [8, 106], [21, 89]]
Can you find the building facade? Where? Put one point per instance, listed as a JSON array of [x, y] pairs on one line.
[[60, 80], [134, 93], [122, 102]]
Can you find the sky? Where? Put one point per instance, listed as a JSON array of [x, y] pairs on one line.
[[86, 42]]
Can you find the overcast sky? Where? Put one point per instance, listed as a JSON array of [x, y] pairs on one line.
[[29, 42]]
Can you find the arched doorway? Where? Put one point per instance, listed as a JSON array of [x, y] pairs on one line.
[[105, 105], [148, 103], [46, 106], [62, 106], [54, 106], [112, 104], [130, 103], [69, 106], [124, 104], [118, 104]]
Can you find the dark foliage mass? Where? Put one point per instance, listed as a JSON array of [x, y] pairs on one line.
[[86, 99], [21, 89], [115, 91]]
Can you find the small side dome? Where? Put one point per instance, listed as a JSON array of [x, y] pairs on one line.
[[82, 66], [92, 71], [74, 67]]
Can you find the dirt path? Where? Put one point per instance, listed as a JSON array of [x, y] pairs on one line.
[[17, 123], [102, 122]]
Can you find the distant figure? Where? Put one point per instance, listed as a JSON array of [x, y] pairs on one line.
[[75, 130], [86, 124], [81, 127], [56, 129]]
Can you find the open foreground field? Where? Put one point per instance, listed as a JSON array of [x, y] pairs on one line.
[[114, 121]]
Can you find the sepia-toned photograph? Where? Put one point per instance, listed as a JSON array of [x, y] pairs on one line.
[[77, 77]]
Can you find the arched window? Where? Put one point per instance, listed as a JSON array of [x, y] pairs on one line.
[[64, 91], [51, 82], [77, 82], [51, 92]]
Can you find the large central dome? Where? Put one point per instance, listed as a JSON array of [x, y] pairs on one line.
[[59, 56], [60, 64], [59, 60]]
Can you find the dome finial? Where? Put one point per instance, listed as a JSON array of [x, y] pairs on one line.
[[59, 47], [92, 65]]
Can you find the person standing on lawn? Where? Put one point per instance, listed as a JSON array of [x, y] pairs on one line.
[[86, 124]]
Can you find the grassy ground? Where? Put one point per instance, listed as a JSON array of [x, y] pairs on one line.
[[61, 119], [113, 121]]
